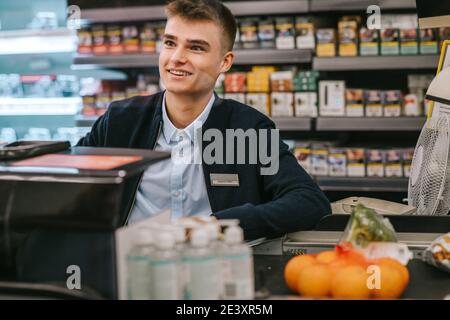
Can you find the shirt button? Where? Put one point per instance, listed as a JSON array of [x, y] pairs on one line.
[[176, 194]]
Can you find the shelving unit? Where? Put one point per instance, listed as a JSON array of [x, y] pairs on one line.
[[349, 5], [375, 63], [293, 124], [370, 124], [362, 184]]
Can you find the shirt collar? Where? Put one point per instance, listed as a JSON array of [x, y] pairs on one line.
[[170, 131]]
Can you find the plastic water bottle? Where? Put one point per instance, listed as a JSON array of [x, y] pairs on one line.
[[165, 268], [139, 266], [237, 266], [204, 268]]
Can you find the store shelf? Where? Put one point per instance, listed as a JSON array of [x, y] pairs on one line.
[[367, 184], [293, 124], [348, 5], [39, 106], [85, 121], [146, 13], [37, 41], [376, 63], [250, 56], [370, 124]]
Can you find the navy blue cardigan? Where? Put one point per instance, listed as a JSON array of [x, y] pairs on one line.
[[266, 205]]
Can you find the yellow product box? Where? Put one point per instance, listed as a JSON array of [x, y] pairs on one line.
[[326, 43], [348, 38], [302, 153]]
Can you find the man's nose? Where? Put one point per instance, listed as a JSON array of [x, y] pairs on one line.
[[178, 55]]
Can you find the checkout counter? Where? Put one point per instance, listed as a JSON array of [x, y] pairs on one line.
[[52, 218]]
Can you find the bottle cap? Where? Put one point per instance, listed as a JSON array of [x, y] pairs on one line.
[[199, 238]]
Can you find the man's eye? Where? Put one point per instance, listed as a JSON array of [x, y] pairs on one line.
[[197, 48], [169, 43]]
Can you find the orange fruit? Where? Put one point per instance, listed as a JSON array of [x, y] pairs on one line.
[[327, 256], [293, 268], [350, 282], [394, 263], [315, 281], [392, 283]]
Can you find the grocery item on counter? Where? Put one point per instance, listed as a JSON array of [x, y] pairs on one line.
[[438, 253]]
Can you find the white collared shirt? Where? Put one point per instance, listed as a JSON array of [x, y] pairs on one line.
[[173, 185]]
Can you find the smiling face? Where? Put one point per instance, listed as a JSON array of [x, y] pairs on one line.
[[192, 56]]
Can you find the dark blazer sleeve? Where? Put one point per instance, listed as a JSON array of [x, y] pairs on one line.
[[97, 136], [296, 202]]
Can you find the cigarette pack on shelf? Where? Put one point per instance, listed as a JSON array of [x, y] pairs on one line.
[[409, 42], [235, 82], [394, 166], [302, 153], [102, 103], [375, 162], [407, 156], [114, 33], [240, 97], [281, 104], [348, 36], [356, 162], [100, 40], [130, 34], [369, 44], [160, 28], [326, 42], [266, 33], [389, 45], [249, 33], [306, 81], [374, 103], [258, 81], [148, 38], [84, 41], [392, 100], [89, 106], [304, 33], [354, 102], [319, 159], [428, 41], [281, 81], [259, 101], [411, 105], [444, 34], [337, 162], [305, 104], [285, 33], [332, 98]]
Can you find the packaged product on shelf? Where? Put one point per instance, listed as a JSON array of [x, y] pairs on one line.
[[369, 42], [374, 103], [392, 100], [319, 160], [356, 162], [354, 99], [130, 34], [408, 41], [89, 106], [306, 81], [258, 81], [240, 97], [259, 101], [266, 33], [285, 33], [444, 34], [102, 103], [389, 45], [407, 156], [348, 36], [337, 162], [281, 104], [249, 33], [235, 82], [394, 166], [131, 92], [302, 153], [100, 40], [148, 38], [118, 95], [332, 98], [114, 33], [305, 104], [304, 33], [160, 28], [375, 162], [411, 105], [281, 81], [326, 42], [84, 41], [428, 41]]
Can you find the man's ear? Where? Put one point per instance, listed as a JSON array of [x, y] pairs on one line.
[[227, 61]]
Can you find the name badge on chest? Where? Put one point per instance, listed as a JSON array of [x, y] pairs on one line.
[[224, 179]]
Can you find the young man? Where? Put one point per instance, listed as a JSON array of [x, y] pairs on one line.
[[197, 48]]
